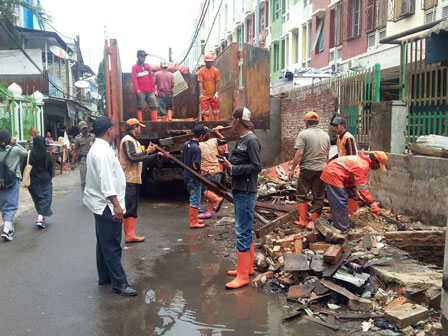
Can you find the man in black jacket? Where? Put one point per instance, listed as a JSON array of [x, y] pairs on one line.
[[244, 166]]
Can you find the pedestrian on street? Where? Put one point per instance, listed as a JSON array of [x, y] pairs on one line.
[[191, 155], [312, 149], [144, 86], [83, 142], [208, 77], [11, 153], [131, 159], [164, 81], [350, 172], [48, 142], [104, 196], [41, 188], [244, 166], [346, 145], [210, 170]]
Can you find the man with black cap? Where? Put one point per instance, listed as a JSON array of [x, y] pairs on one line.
[[191, 155], [345, 142], [164, 80], [144, 86], [83, 142], [244, 165], [131, 159], [104, 196]]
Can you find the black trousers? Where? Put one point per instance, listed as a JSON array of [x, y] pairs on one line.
[[108, 249], [131, 199]]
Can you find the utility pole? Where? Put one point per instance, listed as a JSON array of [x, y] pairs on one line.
[[78, 63], [170, 55]]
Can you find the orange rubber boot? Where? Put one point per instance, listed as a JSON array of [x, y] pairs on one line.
[[251, 267], [194, 223], [139, 115], [216, 116], [352, 206], [206, 117], [314, 216], [153, 115], [301, 207], [214, 201], [164, 118], [129, 231], [170, 115], [242, 271]]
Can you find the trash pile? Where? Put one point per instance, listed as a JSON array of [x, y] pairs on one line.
[[349, 284]]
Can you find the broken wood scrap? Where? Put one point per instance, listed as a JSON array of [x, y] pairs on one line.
[[296, 262], [300, 291], [322, 323], [357, 316], [338, 289], [264, 230]]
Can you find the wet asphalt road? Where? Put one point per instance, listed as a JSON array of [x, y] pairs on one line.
[[49, 280]]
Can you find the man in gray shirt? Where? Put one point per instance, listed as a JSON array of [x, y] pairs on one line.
[[312, 148]]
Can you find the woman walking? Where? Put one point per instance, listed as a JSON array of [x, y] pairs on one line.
[[41, 189], [11, 153]]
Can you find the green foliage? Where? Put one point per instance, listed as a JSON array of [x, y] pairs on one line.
[[101, 81]]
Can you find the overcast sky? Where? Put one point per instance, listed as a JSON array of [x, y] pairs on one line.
[[152, 25]]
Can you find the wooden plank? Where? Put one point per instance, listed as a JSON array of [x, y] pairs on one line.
[[261, 232], [357, 316], [338, 289], [322, 323], [300, 291], [277, 207]]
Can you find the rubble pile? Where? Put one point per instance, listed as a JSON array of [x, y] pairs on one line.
[[344, 281]]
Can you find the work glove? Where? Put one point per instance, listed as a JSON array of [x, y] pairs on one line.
[[216, 95], [375, 209]]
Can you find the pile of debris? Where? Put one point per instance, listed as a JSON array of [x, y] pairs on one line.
[[333, 281]]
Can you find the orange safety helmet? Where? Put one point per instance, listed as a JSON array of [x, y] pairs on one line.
[[209, 58], [312, 116]]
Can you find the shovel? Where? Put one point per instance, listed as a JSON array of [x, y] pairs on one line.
[[400, 226]]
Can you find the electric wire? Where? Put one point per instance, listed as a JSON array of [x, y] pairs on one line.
[[37, 66], [209, 32], [198, 28]]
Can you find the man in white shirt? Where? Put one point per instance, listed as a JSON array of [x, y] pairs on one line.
[[104, 196]]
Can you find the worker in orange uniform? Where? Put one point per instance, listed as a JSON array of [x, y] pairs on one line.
[[349, 172], [144, 86], [346, 145], [131, 159], [208, 78], [312, 148]]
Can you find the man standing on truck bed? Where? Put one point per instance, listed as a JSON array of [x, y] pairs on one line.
[[131, 160], [208, 78], [144, 86], [165, 83]]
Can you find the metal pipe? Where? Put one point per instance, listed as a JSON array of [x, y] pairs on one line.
[[393, 38]]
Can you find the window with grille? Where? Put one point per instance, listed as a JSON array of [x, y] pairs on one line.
[[352, 19], [319, 37], [277, 9], [376, 14], [356, 18], [336, 26], [276, 57], [445, 12], [430, 15], [249, 30], [403, 8], [427, 4], [262, 19], [371, 40]]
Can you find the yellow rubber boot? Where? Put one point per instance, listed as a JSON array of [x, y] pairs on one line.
[[251, 267], [242, 271]]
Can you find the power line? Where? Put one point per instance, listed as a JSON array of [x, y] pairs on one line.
[[210, 31], [70, 38], [36, 66], [198, 28]]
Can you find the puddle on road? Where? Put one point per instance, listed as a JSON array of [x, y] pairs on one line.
[[185, 295]]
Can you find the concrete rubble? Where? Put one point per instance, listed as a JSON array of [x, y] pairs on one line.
[[341, 280]]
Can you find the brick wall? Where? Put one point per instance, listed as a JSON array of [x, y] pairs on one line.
[[426, 246], [294, 109]]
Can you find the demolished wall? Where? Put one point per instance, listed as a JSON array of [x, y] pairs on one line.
[[414, 186], [323, 101]]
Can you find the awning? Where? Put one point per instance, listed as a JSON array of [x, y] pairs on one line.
[[436, 30]]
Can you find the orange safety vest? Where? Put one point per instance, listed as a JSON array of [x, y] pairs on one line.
[[340, 144]]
